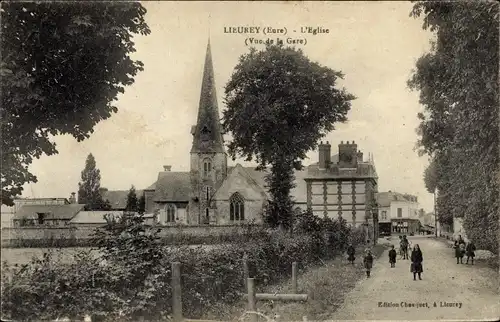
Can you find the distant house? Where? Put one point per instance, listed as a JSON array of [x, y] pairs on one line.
[[31, 215], [398, 213]]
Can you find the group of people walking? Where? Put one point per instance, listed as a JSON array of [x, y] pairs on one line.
[[464, 249], [416, 257]]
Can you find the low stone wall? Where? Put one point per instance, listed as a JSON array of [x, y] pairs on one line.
[[82, 236]]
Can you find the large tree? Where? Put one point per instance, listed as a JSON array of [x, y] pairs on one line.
[[279, 104], [89, 189], [132, 201], [62, 66], [458, 84], [430, 177]]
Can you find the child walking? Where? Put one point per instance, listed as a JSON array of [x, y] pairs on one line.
[[368, 262], [392, 256], [351, 251], [459, 251], [470, 252]]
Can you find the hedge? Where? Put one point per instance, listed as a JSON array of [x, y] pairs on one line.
[[132, 279]]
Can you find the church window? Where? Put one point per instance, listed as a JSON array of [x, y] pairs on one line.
[[236, 207], [207, 167], [170, 210]]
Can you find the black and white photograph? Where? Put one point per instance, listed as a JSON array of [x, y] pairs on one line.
[[250, 161]]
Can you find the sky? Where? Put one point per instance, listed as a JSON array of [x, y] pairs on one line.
[[375, 45]]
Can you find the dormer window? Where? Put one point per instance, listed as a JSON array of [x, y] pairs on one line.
[[207, 167]]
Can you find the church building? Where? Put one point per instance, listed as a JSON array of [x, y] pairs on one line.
[[211, 192], [217, 194]]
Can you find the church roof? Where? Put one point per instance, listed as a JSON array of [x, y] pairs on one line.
[[176, 186], [207, 134], [299, 193], [172, 186]]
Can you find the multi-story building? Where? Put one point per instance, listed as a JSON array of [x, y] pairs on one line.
[[398, 213], [344, 185]]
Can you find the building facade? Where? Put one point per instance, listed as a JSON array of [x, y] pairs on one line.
[[398, 213], [344, 186]]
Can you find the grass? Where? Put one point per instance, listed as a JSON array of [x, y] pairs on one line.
[[326, 286]]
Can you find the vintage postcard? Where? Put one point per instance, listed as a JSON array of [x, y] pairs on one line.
[[249, 161]]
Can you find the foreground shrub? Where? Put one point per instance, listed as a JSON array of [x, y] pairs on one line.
[[131, 279]]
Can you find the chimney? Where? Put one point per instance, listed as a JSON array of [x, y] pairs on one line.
[[348, 156], [72, 199], [324, 150], [167, 167], [360, 156]]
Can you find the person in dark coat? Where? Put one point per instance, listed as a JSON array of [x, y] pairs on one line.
[[416, 262], [392, 256], [404, 247], [368, 262], [459, 250], [351, 251], [470, 251]]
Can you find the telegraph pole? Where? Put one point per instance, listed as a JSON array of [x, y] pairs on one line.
[[435, 215]]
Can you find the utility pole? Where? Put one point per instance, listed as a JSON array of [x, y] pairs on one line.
[[435, 215]]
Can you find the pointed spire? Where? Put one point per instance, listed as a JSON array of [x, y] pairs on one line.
[[208, 133]]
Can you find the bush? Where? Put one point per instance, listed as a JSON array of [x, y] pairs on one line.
[[131, 280]]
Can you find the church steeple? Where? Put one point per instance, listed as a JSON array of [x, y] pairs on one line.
[[207, 133]]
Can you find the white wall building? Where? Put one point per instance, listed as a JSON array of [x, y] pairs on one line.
[[397, 212]]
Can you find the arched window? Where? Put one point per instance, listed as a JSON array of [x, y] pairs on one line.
[[236, 207], [207, 167], [171, 212]]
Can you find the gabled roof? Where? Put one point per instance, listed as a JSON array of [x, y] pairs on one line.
[[61, 212], [173, 186], [299, 193], [118, 198], [251, 189]]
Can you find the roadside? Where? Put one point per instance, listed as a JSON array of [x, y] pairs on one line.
[[483, 257], [447, 291], [326, 286]]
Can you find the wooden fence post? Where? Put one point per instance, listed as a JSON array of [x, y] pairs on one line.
[[176, 292], [294, 277], [251, 299], [246, 273]]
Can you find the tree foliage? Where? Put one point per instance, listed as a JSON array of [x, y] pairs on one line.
[[132, 200], [458, 85], [141, 204], [430, 177], [89, 189], [62, 67], [279, 104]]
